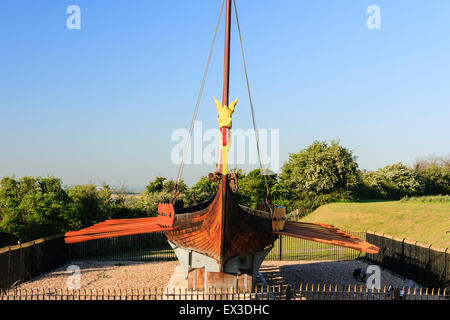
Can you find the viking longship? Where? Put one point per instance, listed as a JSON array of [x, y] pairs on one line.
[[220, 241]]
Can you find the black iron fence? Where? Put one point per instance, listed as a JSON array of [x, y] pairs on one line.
[[140, 247], [285, 292], [291, 249], [424, 264], [22, 262], [427, 266]]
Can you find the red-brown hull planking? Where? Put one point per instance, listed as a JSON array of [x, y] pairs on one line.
[[222, 230]]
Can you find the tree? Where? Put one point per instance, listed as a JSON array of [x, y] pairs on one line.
[[436, 180], [280, 194], [33, 207], [156, 185], [390, 182], [201, 191], [319, 174], [321, 169], [402, 181], [158, 190], [149, 201], [432, 161], [91, 204], [162, 184], [252, 187]]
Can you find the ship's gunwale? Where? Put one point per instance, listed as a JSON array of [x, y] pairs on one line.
[[210, 231]]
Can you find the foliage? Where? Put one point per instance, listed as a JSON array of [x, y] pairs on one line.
[[432, 161], [92, 205], [322, 173], [307, 204], [436, 180], [403, 180], [34, 207], [31, 208], [429, 199], [252, 187], [317, 175], [161, 184], [280, 194], [320, 169], [156, 185], [201, 191], [158, 190], [370, 186], [391, 182], [149, 201]]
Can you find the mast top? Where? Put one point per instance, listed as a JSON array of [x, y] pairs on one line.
[[226, 68]]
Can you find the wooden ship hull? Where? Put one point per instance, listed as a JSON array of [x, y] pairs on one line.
[[223, 229], [220, 243]]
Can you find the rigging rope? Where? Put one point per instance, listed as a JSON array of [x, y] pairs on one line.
[[251, 107], [199, 97]]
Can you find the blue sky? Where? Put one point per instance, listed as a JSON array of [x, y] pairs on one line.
[[99, 104]]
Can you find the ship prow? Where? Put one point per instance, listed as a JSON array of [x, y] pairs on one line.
[[223, 229]]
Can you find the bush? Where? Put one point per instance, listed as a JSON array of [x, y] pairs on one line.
[[308, 204], [149, 201], [321, 169], [432, 199], [252, 188], [319, 174], [371, 186], [202, 191], [31, 208], [436, 180], [402, 180], [92, 205], [390, 183]]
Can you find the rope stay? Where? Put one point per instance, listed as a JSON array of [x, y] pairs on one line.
[[252, 111], [194, 117], [175, 190]]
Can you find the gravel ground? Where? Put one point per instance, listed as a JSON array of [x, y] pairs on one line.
[[126, 275], [107, 275], [325, 272]]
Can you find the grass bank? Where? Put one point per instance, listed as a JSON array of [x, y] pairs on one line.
[[417, 219]]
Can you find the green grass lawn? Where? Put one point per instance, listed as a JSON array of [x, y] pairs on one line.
[[425, 222]]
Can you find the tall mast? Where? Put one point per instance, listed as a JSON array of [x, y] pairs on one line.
[[225, 110], [226, 68]]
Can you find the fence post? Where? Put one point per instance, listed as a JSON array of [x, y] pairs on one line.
[[445, 267], [281, 248], [22, 266], [430, 264], [8, 283], [403, 247]]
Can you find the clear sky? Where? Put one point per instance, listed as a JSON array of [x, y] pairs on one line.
[[99, 104]]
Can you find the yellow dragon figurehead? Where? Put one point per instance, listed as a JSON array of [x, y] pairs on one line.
[[225, 113]]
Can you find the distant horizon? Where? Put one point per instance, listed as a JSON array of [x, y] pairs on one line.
[[98, 102], [142, 188]]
